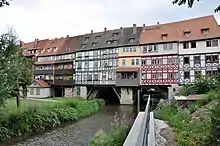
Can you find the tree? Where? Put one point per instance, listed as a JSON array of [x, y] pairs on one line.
[[190, 3], [15, 69], [4, 3]]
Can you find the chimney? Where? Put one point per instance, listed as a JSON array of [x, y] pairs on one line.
[[21, 44], [105, 29], [134, 28], [121, 29], [158, 23], [144, 27], [67, 36], [36, 41], [91, 31]]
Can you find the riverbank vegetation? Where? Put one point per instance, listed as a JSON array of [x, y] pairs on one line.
[[195, 123], [115, 136], [34, 116]]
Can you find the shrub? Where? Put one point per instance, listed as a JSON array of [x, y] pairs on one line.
[[116, 135], [36, 119]]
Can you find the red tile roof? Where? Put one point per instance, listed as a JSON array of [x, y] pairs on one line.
[[175, 31], [42, 83]]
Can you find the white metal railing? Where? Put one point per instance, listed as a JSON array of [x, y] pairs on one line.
[[142, 132]]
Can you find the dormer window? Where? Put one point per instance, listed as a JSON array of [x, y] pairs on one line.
[[205, 30], [93, 44], [131, 40], [187, 33], [42, 51], [83, 46], [97, 37], [115, 41], [86, 39], [49, 49], [55, 49], [164, 36], [115, 34], [109, 42]]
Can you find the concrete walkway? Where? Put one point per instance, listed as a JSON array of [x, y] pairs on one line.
[[163, 134]]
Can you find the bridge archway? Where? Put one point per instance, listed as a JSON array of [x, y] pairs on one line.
[[106, 93]]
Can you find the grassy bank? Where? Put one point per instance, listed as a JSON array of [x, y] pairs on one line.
[[192, 124], [115, 136], [38, 115]]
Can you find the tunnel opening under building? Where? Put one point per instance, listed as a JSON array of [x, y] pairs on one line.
[[108, 94], [58, 92], [156, 93]]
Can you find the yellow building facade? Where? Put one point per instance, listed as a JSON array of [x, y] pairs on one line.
[[129, 56]]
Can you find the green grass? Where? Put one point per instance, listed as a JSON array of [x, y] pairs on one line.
[[39, 115]]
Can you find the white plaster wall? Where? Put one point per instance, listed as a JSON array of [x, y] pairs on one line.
[[83, 91], [69, 92], [200, 48], [44, 92], [161, 50], [126, 96]]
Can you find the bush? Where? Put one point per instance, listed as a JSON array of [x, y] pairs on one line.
[[116, 135], [36, 119]]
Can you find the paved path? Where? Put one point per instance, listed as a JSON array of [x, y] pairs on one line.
[[164, 134]]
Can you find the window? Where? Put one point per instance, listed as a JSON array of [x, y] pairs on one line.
[[96, 77], [55, 49], [123, 62], [134, 49], [171, 60], [187, 33], [129, 75], [124, 49], [137, 61], [171, 46], [83, 46], [131, 40], [212, 59], [89, 77], [186, 75], [150, 48], [193, 44], [78, 91], [155, 48], [212, 43], [143, 76], [32, 91], [186, 45], [164, 36], [212, 73], [205, 30], [186, 60], [197, 59], [143, 62], [144, 49], [157, 61], [93, 44], [156, 75], [96, 64], [37, 91], [131, 49], [127, 49], [164, 47], [108, 42], [115, 34], [79, 65], [170, 75], [132, 61], [86, 39]]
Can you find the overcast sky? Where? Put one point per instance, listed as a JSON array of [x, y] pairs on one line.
[[55, 18]]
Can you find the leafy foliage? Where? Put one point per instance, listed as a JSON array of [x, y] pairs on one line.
[[4, 3], [43, 117], [203, 84], [116, 135], [190, 3], [15, 69]]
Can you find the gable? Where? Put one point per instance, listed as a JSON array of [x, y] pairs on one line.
[[34, 84]]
